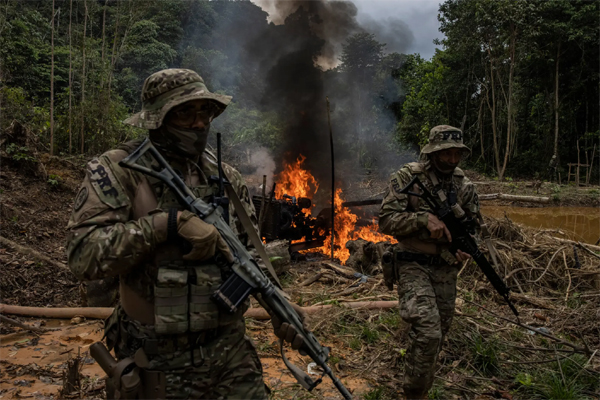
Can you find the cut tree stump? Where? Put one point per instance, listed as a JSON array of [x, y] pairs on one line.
[[365, 256], [279, 249]]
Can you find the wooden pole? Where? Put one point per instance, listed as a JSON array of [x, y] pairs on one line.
[[332, 179], [262, 201], [589, 172], [577, 169]]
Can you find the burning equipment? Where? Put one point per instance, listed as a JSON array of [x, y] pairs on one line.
[[285, 219]]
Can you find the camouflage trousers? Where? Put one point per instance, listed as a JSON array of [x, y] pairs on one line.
[[226, 366], [427, 294]]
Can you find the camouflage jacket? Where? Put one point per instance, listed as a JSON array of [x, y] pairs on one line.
[[404, 216], [119, 217]]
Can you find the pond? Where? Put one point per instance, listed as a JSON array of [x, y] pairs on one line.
[[579, 223]]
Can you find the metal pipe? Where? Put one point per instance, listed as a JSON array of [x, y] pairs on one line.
[[332, 179]]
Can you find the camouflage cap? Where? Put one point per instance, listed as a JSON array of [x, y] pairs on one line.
[[443, 137], [168, 88]]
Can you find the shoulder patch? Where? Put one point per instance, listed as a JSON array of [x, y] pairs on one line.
[[416, 167], [82, 196], [106, 185]]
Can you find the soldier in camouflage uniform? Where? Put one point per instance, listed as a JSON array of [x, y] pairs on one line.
[[425, 269], [131, 225]]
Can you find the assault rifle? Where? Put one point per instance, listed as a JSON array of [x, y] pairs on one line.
[[461, 238], [245, 276]]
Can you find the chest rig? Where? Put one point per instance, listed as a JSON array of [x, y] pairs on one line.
[[181, 289]]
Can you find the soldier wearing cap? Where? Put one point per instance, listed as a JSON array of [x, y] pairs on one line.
[[424, 268], [130, 225]]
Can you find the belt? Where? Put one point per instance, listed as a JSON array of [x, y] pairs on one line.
[[422, 259]]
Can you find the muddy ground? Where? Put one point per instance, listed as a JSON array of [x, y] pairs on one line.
[[484, 357]]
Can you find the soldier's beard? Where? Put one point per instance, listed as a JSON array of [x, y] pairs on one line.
[[445, 168], [183, 141]]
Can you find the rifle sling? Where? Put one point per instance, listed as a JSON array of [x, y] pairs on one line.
[[252, 235]]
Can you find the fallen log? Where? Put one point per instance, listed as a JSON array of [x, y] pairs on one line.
[[338, 269], [309, 281], [104, 312], [580, 244], [28, 251], [260, 313], [512, 197], [50, 312]]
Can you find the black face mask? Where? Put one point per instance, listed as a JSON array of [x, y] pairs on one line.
[[445, 168]]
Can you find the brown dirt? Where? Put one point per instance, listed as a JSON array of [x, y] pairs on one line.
[[33, 366]]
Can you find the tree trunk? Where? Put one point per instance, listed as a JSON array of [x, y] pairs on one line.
[[104, 29], [556, 101], [70, 79], [113, 59], [493, 113], [480, 123], [52, 85], [509, 118], [83, 75]]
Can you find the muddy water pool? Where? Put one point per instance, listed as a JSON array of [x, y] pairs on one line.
[[578, 223]]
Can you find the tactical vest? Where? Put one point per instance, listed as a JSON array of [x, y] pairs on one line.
[[180, 290]]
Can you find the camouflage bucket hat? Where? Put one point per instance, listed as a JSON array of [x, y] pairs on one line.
[[168, 88], [443, 137]]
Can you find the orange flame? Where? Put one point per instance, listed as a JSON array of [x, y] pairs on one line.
[[345, 222], [296, 181]]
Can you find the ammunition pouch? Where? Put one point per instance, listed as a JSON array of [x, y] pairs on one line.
[[182, 300]]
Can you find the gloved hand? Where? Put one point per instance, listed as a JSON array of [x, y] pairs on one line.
[[287, 332], [204, 238]]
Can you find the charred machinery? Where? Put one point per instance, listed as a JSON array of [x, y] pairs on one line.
[[285, 219]]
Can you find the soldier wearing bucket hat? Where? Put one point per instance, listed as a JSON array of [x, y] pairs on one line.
[[423, 268], [130, 225]]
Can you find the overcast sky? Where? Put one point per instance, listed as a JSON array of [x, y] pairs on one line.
[[406, 26], [419, 15]]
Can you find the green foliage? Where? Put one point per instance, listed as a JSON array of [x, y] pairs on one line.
[[374, 394], [423, 107], [355, 344], [391, 319], [524, 379], [19, 153], [555, 388], [246, 126], [369, 335], [485, 357], [437, 392], [574, 301], [54, 180]]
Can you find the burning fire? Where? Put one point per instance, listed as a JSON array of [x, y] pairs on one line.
[[296, 181]]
